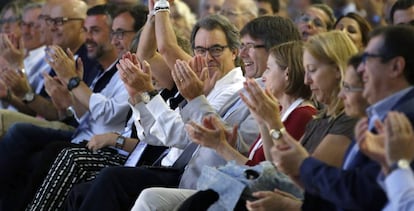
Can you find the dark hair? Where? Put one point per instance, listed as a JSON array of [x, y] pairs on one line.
[[272, 30], [329, 12], [397, 41], [98, 10], [274, 3], [212, 22], [400, 5], [138, 12], [288, 56], [363, 24], [355, 61]]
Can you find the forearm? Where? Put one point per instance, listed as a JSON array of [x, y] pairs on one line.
[[353, 189], [130, 144], [80, 109], [82, 95], [44, 107], [229, 153], [147, 45], [167, 41], [20, 106], [267, 141]]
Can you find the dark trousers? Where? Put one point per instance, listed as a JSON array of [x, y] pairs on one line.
[[117, 188], [23, 153]]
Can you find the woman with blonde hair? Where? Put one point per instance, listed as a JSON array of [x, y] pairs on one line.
[[328, 136]]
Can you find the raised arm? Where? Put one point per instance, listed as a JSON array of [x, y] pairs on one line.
[[167, 40]]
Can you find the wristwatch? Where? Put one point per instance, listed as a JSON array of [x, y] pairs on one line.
[[73, 83], [147, 96], [70, 111], [28, 97], [277, 134], [400, 164], [120, 141]]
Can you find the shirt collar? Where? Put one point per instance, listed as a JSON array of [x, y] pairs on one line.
[[380, 109]]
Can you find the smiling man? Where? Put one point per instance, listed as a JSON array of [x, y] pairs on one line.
[[99, 109], [258, 36], [127, 21]]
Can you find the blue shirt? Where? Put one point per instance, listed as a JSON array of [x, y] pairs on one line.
[[377, 111]]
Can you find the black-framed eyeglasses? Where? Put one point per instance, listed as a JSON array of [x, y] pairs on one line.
[[59, 21], [248, 46], [349, 88], [215, 50], [27, 24], [317, 22], [9, 20], [43, 17], [119, 34], [367, 55]]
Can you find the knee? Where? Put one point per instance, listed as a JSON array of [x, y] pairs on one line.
[[144, 200], [17, 129], [108, 175]]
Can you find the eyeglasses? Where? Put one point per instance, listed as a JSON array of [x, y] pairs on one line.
[[248, 46], [348, 88], [60, 20], [317, 22], [366, 55], [119, 34], [9, 20], [43, 17], [28, 24], [215, 50], [228, 13]]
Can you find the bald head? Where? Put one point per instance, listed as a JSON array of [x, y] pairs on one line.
[[66, 23]]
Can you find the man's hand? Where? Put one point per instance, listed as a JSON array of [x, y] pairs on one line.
[[137, 77], [213, 133], [63, 63], [187, 82], [57, 91], [12, 50], [399, 138], [372, 145], [101, 141], [16, 81]]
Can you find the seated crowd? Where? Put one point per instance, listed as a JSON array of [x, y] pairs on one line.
[[206, 105]]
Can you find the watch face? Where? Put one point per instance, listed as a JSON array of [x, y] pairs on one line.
[[145, 97], [28, 97], [405, 164], [73, 83], [275, 134]]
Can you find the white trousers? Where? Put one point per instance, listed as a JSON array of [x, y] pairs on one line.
[[161, 199]]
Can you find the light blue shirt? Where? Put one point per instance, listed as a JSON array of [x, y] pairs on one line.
[[399, 187]]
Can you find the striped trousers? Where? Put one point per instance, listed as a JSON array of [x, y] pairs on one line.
[[72, 166]]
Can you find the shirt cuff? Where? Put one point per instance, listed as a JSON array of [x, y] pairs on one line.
[[157, 106], [397, 181]]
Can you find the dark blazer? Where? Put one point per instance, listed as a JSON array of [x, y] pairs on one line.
[[330, 188]]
